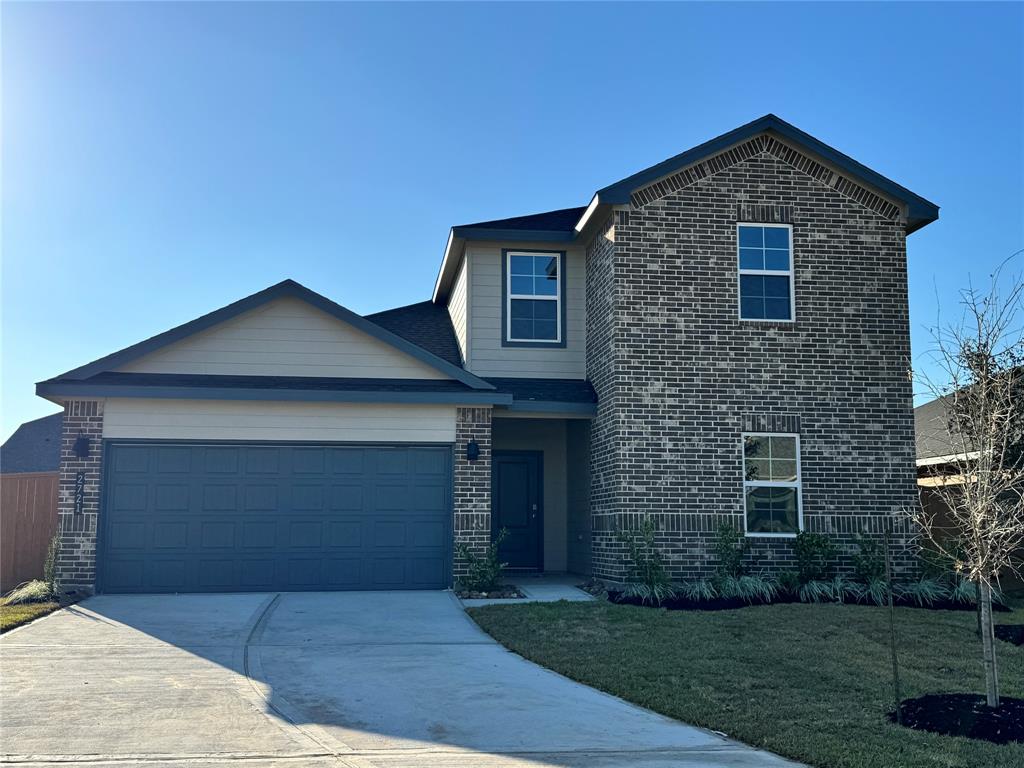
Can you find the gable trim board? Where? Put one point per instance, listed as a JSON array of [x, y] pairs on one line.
[[768, 133], [287, 288]]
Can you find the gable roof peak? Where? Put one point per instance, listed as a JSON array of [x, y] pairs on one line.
[[285, 288]]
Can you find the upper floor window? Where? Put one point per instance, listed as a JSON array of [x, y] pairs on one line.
[[771, 484], [534, 295], [766, 271]]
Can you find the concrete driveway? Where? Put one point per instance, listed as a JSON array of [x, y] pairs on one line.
[[381, 679]]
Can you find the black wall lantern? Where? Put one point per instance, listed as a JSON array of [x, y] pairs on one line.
[[81, 447], [472, 450]]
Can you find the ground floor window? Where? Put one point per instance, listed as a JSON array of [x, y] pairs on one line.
[[771, 484]]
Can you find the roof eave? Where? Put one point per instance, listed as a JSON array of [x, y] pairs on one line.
[[920, 212], [285, 288], [55, 389], [459, 236]]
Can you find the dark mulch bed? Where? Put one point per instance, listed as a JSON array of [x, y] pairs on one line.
[[504, 592], [732, 603], [1011, 633], [965, 714], [594, 587]]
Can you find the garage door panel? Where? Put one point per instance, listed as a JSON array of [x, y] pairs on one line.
[[170, 535], [221, 460], [346, 533], [172, 498], [205, 517], [346, 498], [174, 460], [344, 573]]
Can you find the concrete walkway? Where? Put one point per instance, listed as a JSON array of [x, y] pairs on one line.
[[365, 680]]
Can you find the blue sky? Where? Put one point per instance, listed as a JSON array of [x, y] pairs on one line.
[[162, 160]]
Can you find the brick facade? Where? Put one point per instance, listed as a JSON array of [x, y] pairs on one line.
[[76, 559], [472, 500], [680, 377]]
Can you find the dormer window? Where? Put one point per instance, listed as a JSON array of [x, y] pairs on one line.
[[534, 293], [766, 271]]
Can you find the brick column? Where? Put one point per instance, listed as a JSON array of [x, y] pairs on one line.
[[76, 560], [472, 481]]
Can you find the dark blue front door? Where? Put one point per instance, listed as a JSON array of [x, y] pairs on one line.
[[516, 496]]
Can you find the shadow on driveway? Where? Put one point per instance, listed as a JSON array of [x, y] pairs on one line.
[[352, 679]]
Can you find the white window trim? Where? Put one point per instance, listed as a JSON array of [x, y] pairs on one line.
[[557, 298], [772, 484], [790, 273]]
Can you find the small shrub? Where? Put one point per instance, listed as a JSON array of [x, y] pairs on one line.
[[789, 582], [814, 554], [482, 571], [749, 589], [875, 591], [701, 590], [649, 594], [35, 591], [925, 591], [816, 591], [50, 564], [649, 579], [965, 592], [933, 564], [868, 561], [730, 547], [843, 589]]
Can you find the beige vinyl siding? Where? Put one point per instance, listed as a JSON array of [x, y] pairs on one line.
[[277, 421], [286, 337], [458, 309], [487, 357]]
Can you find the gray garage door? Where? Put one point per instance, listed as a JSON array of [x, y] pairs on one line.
[[226, 517]]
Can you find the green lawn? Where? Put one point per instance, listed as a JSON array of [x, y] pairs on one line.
[[811, 682], [12, 616]]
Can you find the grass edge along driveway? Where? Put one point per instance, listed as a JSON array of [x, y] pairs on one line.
[[12, 616], [809, 682]]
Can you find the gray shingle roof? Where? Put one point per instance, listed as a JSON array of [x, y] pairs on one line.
[[562, 220], [931, 433], [426, 325], [546, 390], [34, 446]]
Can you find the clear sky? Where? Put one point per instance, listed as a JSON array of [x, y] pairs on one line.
[[162, 160]]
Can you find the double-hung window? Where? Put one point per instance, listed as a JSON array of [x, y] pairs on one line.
[[771, 484], [766, 271], [534, 292]]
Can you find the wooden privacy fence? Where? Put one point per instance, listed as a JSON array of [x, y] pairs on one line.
[[28, 520]]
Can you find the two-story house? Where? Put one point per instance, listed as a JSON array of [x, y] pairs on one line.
[[722, 337]]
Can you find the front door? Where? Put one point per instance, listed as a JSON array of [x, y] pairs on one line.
[[516, 498]]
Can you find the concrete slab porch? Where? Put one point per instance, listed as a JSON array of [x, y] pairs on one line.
[[538, 588]]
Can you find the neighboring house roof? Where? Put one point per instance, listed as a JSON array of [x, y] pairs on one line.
[[34, 446], [552, 227], [74, 381], [425, 324], [931, 430]]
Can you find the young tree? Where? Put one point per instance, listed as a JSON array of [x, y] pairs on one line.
[[982, 486]]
